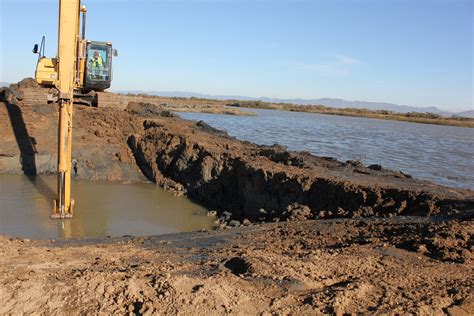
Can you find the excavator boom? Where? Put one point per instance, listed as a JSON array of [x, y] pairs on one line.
[[67, 59]]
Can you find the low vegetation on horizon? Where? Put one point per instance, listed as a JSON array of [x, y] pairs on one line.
[[414, 117]]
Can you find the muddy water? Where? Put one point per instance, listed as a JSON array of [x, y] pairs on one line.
[[442, 154], [102, 209]]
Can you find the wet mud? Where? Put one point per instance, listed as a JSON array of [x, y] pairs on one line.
[[414, 266]]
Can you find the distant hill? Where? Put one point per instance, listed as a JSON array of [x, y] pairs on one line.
[[331, 102], [4, 84], [340, 103], [469, 113]]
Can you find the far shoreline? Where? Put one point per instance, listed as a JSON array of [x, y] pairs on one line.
[[411, 117]]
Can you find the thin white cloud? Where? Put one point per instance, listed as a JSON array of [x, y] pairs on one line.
[[338, 65], [343, 59]]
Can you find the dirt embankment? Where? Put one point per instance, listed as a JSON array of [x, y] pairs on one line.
[[269, 183], [303, 267], [28, 141], [181, 104], [412, 117]]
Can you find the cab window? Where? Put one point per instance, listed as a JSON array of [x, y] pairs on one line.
[[97, 63]]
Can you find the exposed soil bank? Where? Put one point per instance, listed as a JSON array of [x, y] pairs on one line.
[[28, 141], [240, 180], [264, 183], [302, 267]]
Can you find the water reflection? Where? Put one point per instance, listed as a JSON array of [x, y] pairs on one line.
[[442, 154], [102, 209]]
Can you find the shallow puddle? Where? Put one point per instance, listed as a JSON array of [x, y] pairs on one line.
[[101, 209]]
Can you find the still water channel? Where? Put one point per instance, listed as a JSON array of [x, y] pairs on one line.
[[102, 209], [441, 154]]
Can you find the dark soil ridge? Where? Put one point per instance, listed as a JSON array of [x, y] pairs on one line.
[[240, 180], [270, 183]]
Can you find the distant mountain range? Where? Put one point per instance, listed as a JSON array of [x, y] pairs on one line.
[[331, 102], [469, 113]]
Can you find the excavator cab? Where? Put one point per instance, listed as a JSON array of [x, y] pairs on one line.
[[98, 65]]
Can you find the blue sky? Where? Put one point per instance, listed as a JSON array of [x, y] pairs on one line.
[[416, 53]]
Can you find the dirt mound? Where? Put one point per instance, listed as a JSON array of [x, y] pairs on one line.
[[27, 83], [147, 110], [143, 109], [15, 90]]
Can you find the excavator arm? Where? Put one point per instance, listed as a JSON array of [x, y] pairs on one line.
[[67, 60]]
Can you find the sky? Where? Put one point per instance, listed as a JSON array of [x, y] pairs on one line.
[[410, 52]]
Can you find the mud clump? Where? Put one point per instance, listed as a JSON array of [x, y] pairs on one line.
[[443, 241], [238, 265], [147, 109], [209, 129], [298, 212]]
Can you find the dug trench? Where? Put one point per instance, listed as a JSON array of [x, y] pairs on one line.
[[348, 238], [241, 181]]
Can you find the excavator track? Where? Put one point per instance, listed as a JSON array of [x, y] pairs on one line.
[[35, 96]]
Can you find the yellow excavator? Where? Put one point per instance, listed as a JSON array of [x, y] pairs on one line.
[[81, 70], [92, 59]]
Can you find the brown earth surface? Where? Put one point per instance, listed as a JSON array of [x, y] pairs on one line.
[[301, 265]]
